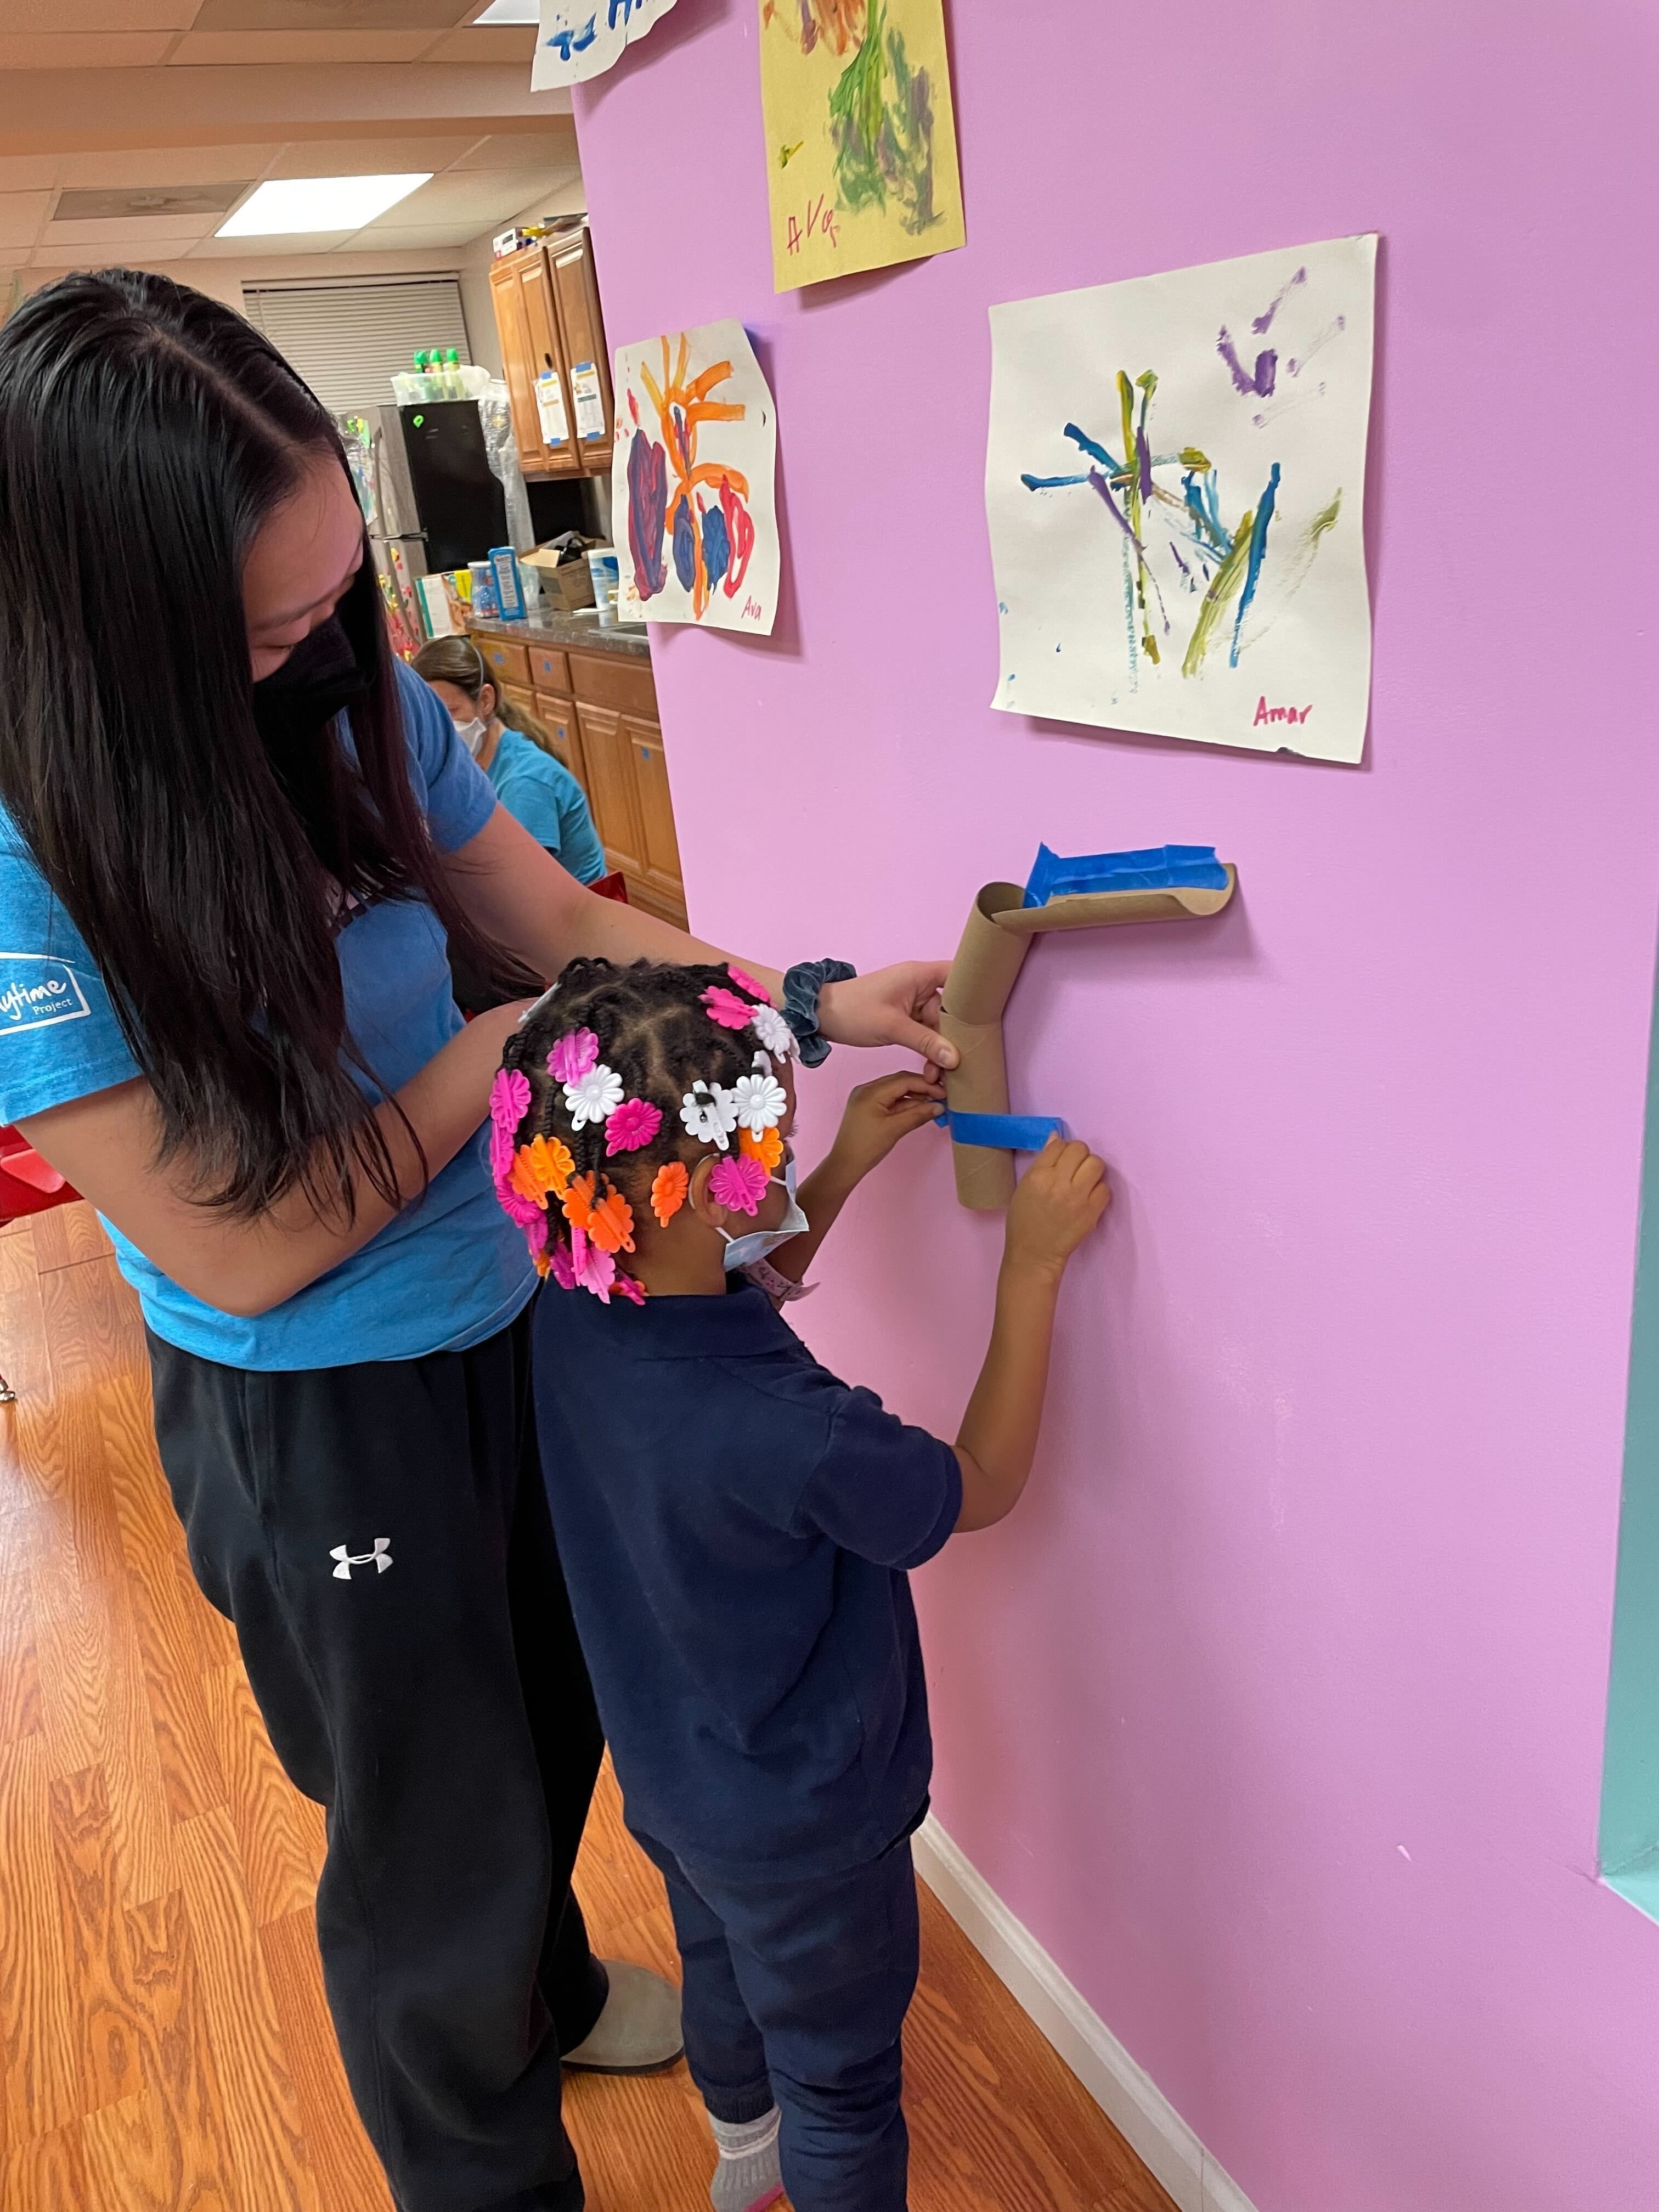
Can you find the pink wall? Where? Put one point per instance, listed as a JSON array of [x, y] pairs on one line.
[[1275, 1712]]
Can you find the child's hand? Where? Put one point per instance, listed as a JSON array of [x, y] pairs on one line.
[[1060, 1198], [878, 1114]]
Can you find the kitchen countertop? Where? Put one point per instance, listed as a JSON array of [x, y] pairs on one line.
[[579, 632]]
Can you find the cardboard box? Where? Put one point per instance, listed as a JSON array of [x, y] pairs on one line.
[[563, 588]]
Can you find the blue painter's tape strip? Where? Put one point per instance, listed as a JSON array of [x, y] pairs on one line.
[[1152, 868], [1003, 1133]]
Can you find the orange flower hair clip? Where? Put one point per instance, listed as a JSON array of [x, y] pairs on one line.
[[767, 1148], [544, 1164], [668, 1191]]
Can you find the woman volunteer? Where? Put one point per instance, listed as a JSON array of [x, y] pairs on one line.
[[236, 837]]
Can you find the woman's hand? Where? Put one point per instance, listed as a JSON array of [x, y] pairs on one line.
[[893, 1006]]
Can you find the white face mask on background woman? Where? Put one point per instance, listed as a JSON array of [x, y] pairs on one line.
[[471, 734]]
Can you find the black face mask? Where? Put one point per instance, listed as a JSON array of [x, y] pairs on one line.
[[318, 679]]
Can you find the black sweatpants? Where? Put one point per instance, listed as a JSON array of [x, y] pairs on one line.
[[380, 1536]]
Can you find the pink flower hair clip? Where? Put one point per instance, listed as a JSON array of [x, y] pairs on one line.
[[573, 1056], [726, 1008], [633, 1126], [583, 1266], [738, 1182], [509, 1102]]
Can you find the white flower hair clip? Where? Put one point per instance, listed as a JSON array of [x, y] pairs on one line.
[[593, 1097], [710, 1113], [773, 1032], [760, 1100]]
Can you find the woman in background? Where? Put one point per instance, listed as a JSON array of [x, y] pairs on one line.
[[535, 788]]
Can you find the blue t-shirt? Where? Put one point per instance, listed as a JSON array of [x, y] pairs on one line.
[[542, 793], [451, 1269], [734, 1525]]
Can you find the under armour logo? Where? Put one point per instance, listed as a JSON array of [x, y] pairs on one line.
[[380, 1559]]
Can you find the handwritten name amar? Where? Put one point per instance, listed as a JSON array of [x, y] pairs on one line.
[[1264, 713]]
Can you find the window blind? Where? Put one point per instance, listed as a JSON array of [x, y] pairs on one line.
[[346, 336]]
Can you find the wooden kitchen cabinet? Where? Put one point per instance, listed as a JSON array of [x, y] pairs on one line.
[[508, 663], [534, 365], [522, 711], [553, 356], [575, 287], [659, 848], [596, 710], [610, 787], [563, 739]]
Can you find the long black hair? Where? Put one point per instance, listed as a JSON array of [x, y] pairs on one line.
[[146, 432]]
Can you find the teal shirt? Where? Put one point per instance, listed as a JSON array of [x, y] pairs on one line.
[[451, 1269], [542, 793]]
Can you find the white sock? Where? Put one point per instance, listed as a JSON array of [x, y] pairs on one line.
[[748, 2173]]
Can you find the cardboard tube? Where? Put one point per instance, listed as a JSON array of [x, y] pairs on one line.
[[983, 976]]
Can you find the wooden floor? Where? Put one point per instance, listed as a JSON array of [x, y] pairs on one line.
[[163, 2042]]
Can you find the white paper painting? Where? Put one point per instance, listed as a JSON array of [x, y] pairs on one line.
[[580, 38], [1175, 483], [693, 508]]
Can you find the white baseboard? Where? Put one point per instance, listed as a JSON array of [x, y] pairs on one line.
[[1137, 2108]]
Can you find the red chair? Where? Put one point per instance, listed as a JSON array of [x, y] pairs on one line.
[[27, 1185]]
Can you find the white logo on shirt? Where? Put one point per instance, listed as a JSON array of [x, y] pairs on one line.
[[36, 991], [380, 1559]]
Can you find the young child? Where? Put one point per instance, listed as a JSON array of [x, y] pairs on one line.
[[735, 1526]]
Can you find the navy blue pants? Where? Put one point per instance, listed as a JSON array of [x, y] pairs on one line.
[[796, 1993]]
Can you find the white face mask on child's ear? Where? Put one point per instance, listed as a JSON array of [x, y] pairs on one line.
[[747, 1251]]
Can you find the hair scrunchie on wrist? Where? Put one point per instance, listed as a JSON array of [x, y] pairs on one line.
[[801, 987]]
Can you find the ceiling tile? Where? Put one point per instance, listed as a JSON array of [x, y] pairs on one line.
[[255, 249], [105, 206], [165, 165], [109, 254], [82, 49], [23, 173], [101, 16], [330, 15], [214, 49], [377, 237], [490, 42], [152, 230], [552, 147], [21, 215], [367, 157], [481, 194]]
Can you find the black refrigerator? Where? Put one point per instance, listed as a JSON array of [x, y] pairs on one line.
[[426, 484]]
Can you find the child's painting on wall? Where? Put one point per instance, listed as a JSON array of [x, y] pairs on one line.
[[1175, 484], [691, 482]]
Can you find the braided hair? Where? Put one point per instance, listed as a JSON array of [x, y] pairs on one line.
[[654, 1030]]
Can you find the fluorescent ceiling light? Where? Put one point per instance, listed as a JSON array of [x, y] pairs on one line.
[[297, 203], [509, 11]]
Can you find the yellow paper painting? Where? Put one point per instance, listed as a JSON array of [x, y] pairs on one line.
[[861, 136]]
